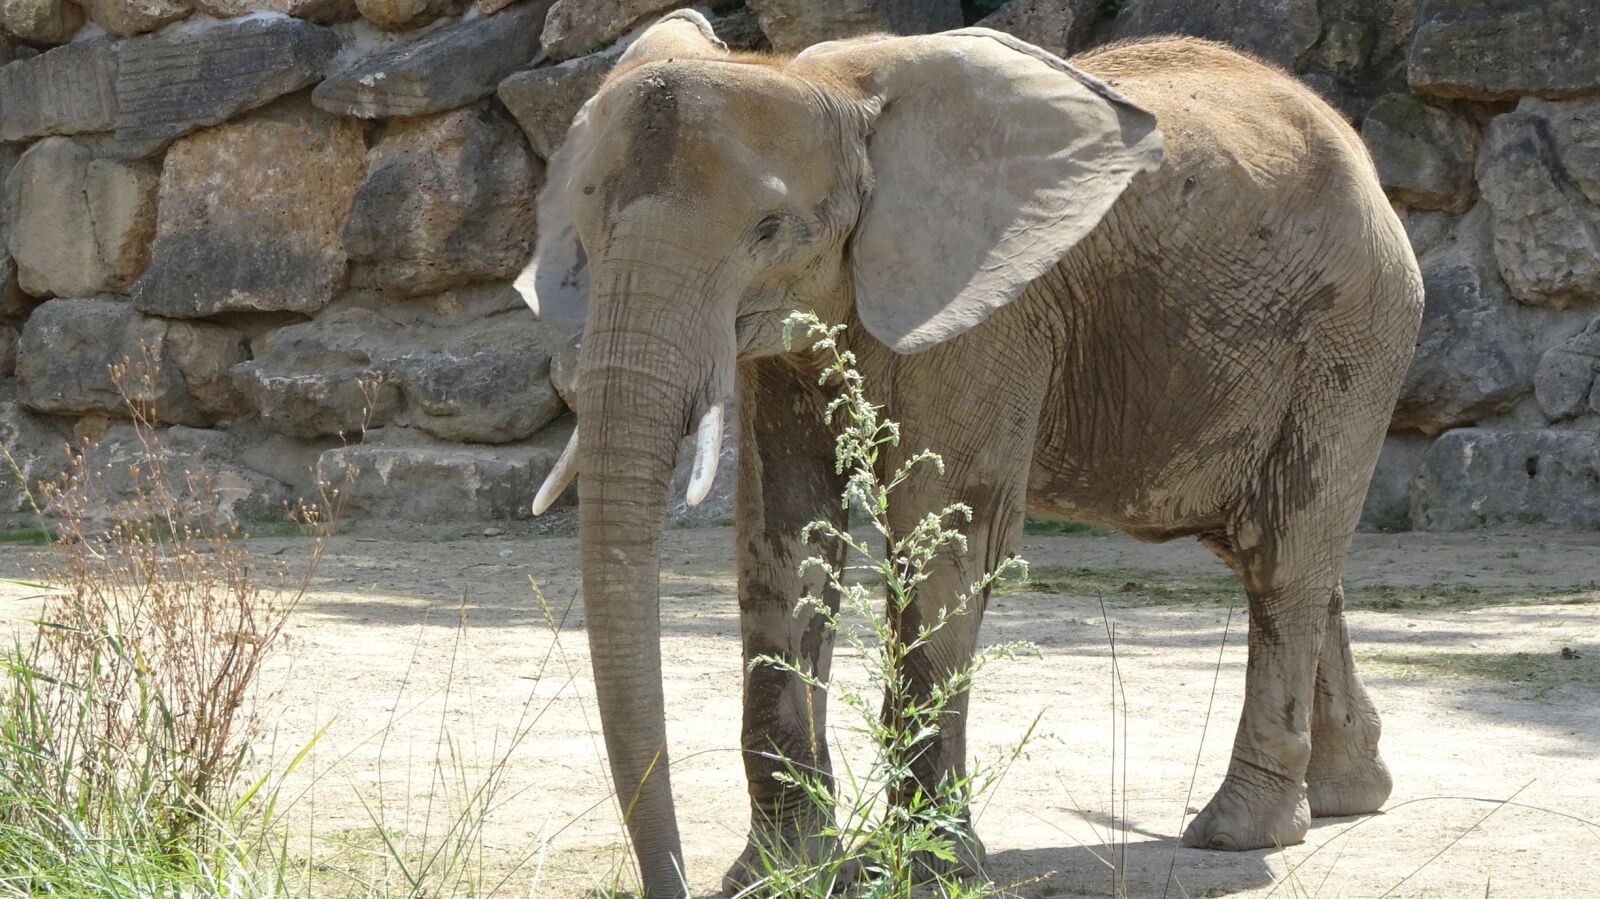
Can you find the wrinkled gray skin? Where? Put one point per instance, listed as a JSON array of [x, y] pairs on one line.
[[1181, 307]]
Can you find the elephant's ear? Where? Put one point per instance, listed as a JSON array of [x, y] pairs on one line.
[[556, 283], [990, 159]]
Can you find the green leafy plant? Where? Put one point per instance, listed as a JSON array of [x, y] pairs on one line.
[[894, 836]]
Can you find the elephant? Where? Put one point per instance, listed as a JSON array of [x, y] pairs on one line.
[[1158, 288]]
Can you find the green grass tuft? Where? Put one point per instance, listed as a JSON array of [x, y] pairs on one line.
[[1042, 527]]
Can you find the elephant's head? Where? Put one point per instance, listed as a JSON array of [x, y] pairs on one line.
[[701, 196]]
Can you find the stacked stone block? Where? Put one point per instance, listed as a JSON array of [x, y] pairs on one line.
[[306, 214]]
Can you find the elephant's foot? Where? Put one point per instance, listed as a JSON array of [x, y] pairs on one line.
[[1250, 816], [773, 863], [1347, 785]]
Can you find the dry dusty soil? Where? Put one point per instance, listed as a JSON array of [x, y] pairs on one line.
[[434, 671]]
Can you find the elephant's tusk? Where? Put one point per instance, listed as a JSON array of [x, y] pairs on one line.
[[707, 453], [560, 476]]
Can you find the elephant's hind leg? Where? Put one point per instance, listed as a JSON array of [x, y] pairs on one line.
[[1288, 543], [1345, 776], [1262, 801]]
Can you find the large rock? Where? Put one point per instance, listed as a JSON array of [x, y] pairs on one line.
[[10, 332], [68, 90], [13, 302], [69, 348], [203, 72], [320, 379], [448, 200], [322, 11], [80, 224], [794, 25], [36, 444], [130, 17], [1546, 232], [1424, 154], [488, 388], [431, 483], [544, 100], [1388, 504], [1278, 30], [1574, 127], [1478, 346], [251, 214], [1500, 49], [1474, 477], [1049, 24], [1567, 382], [403, 15], [446, 68], [577, 27], [465, 369], [144, 474], [40, 21]]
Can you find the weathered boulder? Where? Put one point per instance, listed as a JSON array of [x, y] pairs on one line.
[[449, 67], [198, 473], [1500, 49], [1047, 24], [129, 17], [68, 90], [321, 11], [203, 72], [251, 214], [1279, 30], [80, 224], [1477, 347], [69, 347], [1427, 228], [432, 483], [38, 446], [463, 369], [1424, 154], [1567, 382], [320, 379], [740, 29], [1388, 504], [9, 333], [41, 21], [490, 388], [205, 355], [544, 100], [1474, 477], [1546, 232], [794, 25], [576, 27], [1574, 127], [13, 302], [404, 15], [448, 200]]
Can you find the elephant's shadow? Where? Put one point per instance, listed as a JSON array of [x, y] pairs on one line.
[[1140, 868]]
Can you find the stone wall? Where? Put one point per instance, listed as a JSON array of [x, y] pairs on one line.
[[308, 213]]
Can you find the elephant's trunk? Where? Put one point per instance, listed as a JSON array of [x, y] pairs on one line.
[[637, 396]]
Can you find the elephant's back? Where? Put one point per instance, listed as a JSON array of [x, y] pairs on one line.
[[1255, 258]]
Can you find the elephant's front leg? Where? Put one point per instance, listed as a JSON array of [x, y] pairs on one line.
[[786, 479], [984, 470]]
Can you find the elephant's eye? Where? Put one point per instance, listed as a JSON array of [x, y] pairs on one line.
[[768, 228]]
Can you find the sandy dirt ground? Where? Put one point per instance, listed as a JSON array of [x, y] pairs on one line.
[[434, 671]]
